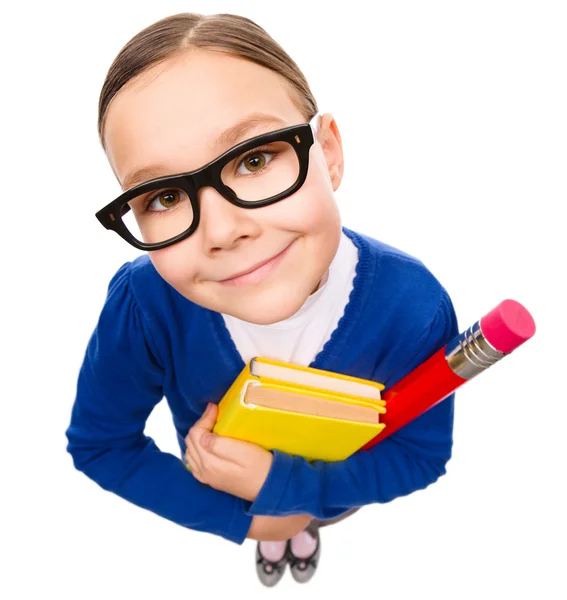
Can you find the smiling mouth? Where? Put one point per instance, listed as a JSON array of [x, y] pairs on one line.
[[259, 271]]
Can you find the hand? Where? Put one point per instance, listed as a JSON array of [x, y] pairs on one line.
[[233, 466]]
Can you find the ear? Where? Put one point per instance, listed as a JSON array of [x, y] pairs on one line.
[[331, 143]]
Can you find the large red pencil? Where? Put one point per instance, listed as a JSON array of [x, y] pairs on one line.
[[491, 338]]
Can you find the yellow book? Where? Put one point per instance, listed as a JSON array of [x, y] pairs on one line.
[[299, 410]]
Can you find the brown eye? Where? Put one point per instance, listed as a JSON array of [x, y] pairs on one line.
[[164, 200], [254, 162]]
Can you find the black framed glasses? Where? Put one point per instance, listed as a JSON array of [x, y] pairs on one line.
[[257, 172]]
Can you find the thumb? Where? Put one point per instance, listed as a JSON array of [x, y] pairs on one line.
[[208, 420]]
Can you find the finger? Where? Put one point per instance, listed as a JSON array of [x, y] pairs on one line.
[[209, 417], [190, 434], [236, 451], [194, 470], [199, 479], [189, 463], [196, 448], [192, 455], [194, 437]]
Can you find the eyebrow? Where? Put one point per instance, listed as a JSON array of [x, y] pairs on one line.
[[249, 125]]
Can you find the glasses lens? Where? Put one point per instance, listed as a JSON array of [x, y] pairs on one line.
[[263, 172], [158, 216]]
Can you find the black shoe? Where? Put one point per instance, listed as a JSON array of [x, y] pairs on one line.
[[303, 569], [269, 572]]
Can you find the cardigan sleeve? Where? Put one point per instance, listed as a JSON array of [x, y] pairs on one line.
[[119, 384], [409, 460]]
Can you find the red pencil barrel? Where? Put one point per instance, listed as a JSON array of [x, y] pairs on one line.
[[497, 334], [424, 387]]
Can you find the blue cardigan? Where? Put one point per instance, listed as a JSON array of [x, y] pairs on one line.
[[150, 342]]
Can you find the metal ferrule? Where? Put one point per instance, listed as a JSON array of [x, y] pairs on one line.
[[470, 353]]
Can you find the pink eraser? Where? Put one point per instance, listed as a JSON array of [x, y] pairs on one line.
[[507, 326]]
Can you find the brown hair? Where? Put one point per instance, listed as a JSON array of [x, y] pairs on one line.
[[232, 34]]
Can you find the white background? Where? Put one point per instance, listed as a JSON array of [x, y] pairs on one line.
[[453, 117]]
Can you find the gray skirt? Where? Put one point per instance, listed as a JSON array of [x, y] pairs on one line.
[[325, 522]]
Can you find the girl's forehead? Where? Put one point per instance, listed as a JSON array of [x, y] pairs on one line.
[[185, 105], [202, 91]]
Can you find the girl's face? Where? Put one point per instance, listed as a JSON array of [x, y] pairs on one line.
[[174, 115]]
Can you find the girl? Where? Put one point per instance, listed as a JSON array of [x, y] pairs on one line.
[[228, 176]]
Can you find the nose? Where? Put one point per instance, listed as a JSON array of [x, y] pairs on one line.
[[222, 225]]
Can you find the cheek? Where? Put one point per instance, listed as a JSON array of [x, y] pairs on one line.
[[315, 202], [312, 209], [318, 210], [174, 265]]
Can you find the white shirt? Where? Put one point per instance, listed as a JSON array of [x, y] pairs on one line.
[[302, 336]]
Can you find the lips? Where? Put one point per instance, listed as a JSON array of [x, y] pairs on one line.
[[256, 267]]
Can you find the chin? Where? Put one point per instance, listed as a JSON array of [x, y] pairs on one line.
[[267, 310], [264, 315]]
